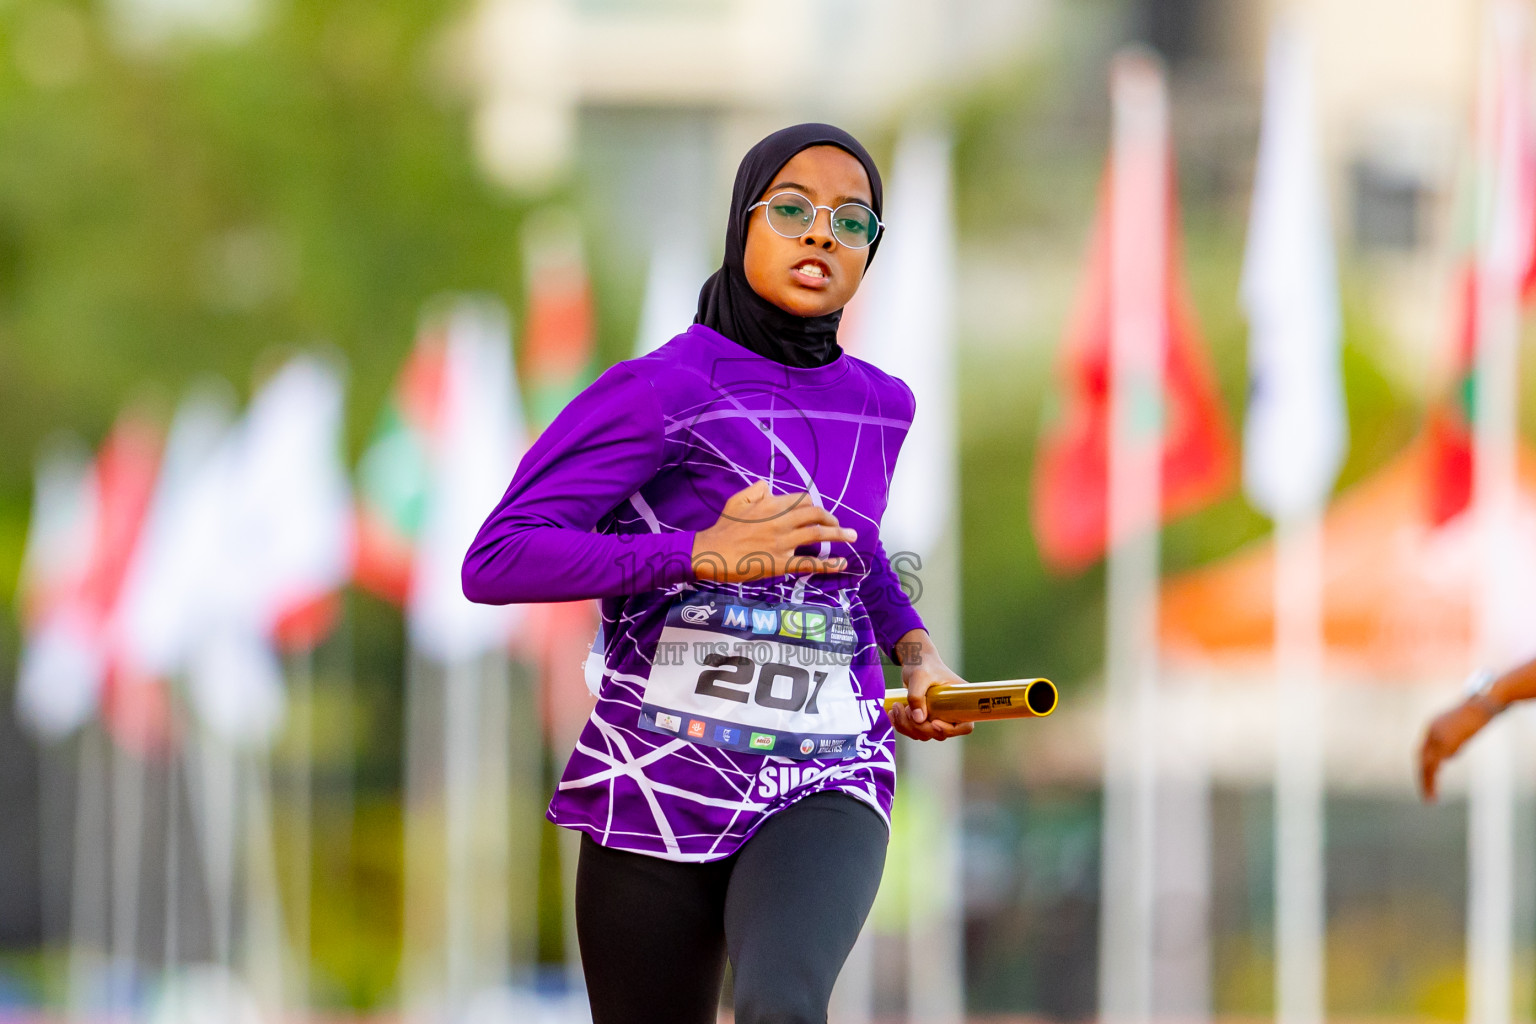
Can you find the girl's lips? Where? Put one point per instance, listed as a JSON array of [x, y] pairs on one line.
[[811, 280]]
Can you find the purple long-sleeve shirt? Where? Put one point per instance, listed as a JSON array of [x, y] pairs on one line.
[[606, 504]]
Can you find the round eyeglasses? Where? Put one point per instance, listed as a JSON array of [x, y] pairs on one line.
[[791, 215]]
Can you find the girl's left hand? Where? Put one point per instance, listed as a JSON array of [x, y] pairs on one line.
[[921, 667]]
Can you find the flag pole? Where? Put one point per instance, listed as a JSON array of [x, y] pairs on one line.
[[53, 850], [172, 944], [88, 897], [1139, 197], [923, 335], [265, 949], [1299, 912], [420, 975], [301, 670], [461, 760], [1503, 218], [1295, 437], [129, 781]]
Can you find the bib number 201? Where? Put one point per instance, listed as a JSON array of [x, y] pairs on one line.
[[727, 672]]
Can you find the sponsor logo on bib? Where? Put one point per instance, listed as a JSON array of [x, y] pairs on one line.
[[735, 617], [807, 745], [804, 624], [671, 723], [762, 741], [725, 734], [697, 614], [696, 729], [765, 620]]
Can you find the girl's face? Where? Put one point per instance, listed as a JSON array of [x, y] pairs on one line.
[[814, 274]]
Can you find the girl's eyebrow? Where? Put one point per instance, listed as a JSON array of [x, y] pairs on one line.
[[806, 188]]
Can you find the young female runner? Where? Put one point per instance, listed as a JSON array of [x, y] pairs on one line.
[[723, 496], [1488, 695]]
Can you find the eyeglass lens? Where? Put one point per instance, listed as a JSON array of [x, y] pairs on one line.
[[791, 215]]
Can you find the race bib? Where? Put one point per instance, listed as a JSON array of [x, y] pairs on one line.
[[756, 677]]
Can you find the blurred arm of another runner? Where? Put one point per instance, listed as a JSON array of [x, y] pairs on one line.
[[1450, 730]]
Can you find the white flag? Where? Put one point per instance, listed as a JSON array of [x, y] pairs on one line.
[[908, 330], [287, 541], [62, 662], [672, 285], [295, 501], [248, 523], [165, 600], [478, 442], [1296, 429]]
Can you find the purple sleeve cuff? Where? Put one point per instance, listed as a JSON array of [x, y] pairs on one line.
[[901, 621]]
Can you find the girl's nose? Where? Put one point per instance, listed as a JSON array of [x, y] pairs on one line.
[[813, 237]]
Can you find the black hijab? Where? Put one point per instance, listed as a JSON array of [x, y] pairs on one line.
[[727, 302]]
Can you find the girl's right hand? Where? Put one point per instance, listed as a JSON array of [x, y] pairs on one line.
[[757, 534]]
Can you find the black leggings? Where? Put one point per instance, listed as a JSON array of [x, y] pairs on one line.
[[786, 908]]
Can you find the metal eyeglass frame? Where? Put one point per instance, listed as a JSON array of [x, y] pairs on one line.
[[831, 218]]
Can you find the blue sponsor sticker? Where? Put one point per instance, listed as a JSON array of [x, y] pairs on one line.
[[765, 620], [725, 734], [735, 617]]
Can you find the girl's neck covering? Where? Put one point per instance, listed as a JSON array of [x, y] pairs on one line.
[[727, 302]]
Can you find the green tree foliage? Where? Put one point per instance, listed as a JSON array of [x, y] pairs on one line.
[[178, 213]]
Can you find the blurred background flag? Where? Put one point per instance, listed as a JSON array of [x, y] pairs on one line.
[[558, 335], [477, 439], [62, 666], [394, 476], [677, 269], [441, 456], [1295, 430], [1070, 492], [283, 543], [1294, 441], [86, 526], [167, 587], [296, 486], [1504, 132]]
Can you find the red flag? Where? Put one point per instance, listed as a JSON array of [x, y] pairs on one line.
[[1071, 499], [1449, 427]]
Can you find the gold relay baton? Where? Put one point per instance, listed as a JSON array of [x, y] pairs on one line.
[[983, 702]]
